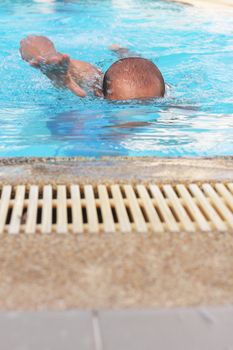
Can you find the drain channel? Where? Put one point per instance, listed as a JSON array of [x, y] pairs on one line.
[[116, 208]]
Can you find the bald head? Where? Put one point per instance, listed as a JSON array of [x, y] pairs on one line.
[[133, 78]]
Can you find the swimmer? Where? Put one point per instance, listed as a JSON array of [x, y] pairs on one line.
[[128, 78]]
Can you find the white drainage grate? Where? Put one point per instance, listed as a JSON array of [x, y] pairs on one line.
[[116, 208]]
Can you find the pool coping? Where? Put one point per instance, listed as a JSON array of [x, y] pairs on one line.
[[114, 169]]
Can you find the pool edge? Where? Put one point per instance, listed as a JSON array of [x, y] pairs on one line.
[[114, 169]]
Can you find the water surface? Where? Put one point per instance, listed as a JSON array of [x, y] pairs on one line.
[[193, 48]]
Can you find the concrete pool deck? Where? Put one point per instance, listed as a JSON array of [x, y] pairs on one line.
[[64, 272], [116, 270]]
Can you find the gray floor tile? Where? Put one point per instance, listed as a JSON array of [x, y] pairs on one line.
[[168, 329], [70, 330]]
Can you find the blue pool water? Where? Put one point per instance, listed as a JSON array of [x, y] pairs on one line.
[[192, 47]]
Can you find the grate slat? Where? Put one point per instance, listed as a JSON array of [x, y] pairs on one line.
[[46, 226], [164, 208], [230, 186], [61, 210], [221, 188], [135, 209], [193, 208], [4, 206], [207, 208], [76, 209], [17, 212], [109, 226], [32, 210], [122, 215], [155, 222], [93, 225], [218, 202], [101, 208], [179, 209]]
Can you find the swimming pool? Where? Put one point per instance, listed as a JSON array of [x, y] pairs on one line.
[[193, 48]]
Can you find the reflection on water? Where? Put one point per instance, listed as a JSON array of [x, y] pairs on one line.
[[192, 49], [163, 133]]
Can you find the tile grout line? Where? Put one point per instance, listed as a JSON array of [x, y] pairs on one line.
[[97, 331]]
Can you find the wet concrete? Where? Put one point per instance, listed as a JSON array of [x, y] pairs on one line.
[[109, 170]]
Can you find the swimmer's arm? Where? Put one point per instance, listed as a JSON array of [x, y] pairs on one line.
[[40, 53], [122, 52], [88, 75]]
